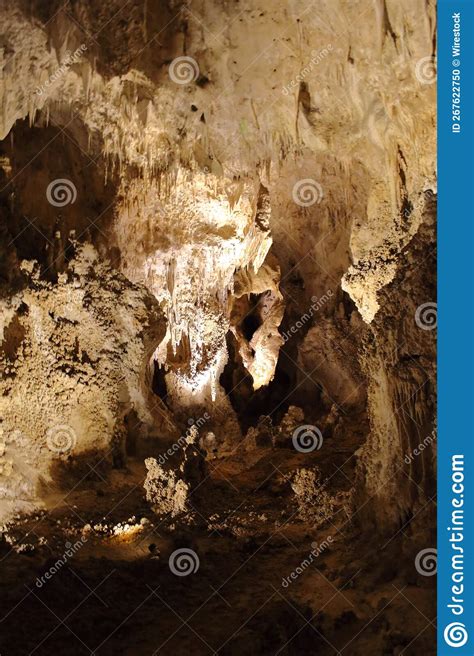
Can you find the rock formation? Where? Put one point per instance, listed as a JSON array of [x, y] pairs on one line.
[[217, 277]]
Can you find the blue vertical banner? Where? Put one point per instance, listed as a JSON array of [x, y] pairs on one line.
[[455, 65]]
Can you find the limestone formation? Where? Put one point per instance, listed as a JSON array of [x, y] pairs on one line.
[[218, 313]]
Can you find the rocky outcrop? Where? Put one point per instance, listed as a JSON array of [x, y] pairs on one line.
[[74, 355], [399, 361]]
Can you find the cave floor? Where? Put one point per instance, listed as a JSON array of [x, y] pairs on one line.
[[118, 595]]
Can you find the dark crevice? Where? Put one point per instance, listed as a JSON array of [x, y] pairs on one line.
[[158, 384]]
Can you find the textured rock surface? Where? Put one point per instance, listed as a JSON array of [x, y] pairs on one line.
[[220, 217], [74, 356]]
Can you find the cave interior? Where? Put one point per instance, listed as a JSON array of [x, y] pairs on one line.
[[218, 293]]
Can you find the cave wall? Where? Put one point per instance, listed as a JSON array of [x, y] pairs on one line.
[[293, 164]]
